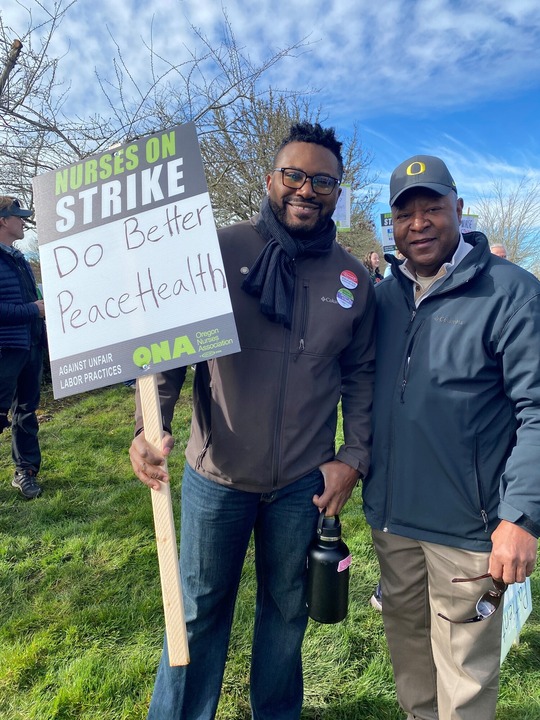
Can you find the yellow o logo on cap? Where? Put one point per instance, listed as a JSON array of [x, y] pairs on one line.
[[416, 168]]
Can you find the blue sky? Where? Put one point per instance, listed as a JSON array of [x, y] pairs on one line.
[[455, 78]]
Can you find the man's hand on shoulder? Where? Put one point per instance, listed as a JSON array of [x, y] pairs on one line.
[[147, 464], [513, 556], [339, 481]]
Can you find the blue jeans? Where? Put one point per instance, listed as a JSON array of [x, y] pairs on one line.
[[217, 522]]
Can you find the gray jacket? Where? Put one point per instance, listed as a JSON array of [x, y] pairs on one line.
[[456, 417], [267, 416]]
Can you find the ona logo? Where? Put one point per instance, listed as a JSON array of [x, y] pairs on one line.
[[416, 168], [159, 352]]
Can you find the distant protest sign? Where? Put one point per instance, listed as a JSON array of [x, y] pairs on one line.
[[342, 213], [387, 230], [133, 278], [468, 223]]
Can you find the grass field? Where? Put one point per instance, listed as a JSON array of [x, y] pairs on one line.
[[81, 622]]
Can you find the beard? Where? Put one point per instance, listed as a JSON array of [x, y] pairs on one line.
[[298, 230]]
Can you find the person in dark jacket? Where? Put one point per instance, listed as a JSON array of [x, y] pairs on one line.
[[453, 492], [21, 349], [261, 457]]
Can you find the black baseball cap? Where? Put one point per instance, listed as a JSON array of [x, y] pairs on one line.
[[421, 171], [15, 209]]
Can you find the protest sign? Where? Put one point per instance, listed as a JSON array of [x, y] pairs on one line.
[[387, 231], [342, 213], [468, 223], [516, 609], [133, 280], [133, 283]]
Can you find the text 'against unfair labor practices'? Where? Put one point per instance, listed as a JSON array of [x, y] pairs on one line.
[[132, 271]]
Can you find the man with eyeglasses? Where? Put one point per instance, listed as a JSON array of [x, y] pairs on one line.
[[453, 497], [22, 337], [261, 456]]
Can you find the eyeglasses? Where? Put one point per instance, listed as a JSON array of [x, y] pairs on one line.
[[321, 184], [487, 603]]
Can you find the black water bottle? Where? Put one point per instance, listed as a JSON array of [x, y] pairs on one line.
[[328, 572]]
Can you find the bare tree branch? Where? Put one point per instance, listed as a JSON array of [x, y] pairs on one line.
[[13, 55], [511, 216], [216, 86]]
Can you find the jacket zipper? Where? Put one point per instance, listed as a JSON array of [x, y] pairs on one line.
[[408, 358], [480, 491], [200, 456], [276, 464], [303, 323], [279, 417]]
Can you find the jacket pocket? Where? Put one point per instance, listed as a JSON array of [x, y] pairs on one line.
[[480, 494]]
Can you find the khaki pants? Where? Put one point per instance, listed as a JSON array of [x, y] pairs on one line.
[[442, 671]]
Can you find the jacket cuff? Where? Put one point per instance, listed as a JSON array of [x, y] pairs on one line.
[[140, 429], [527, 524], [349, 458]]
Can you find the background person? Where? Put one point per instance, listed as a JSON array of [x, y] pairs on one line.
[[22, 338], [454, 488], [261, 455], [499, 250], [371, 261]]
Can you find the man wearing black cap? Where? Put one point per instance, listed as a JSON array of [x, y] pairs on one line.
[[453, 491], [22, 331]]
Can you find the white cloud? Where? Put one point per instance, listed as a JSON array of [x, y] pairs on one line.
[[413, 59], [363, 56]]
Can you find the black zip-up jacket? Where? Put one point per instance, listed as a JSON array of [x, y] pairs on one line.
[[20, 324], [456, 415], [266, 416]]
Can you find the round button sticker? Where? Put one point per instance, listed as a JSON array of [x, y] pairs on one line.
[[349, 279], [345, 298]]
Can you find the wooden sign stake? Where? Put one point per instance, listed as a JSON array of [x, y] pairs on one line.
[[171, 588]]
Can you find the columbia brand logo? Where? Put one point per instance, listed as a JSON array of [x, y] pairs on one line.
[[446, 320], [330, 300]]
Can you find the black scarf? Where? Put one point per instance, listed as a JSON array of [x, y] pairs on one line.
[[273, 275]]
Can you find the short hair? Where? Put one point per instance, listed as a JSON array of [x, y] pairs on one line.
[[6, 201], [314, 133]]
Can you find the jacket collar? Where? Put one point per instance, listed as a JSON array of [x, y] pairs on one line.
[[468, 264]]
